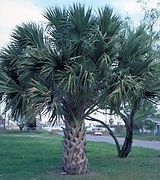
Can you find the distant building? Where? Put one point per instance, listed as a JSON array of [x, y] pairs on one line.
[[156, 123]]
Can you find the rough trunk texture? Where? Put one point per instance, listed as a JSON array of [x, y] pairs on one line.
[[75, 161]]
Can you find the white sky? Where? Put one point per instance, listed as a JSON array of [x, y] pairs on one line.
[[13, 12]]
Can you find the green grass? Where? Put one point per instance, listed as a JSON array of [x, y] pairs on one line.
[[147, 137], [39, 157]]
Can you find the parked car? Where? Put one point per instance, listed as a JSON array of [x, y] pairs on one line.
[[96, 132]]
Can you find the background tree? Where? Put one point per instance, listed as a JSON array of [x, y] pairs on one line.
[[134, 79], [138, 73], [16, 100], [2, 122], [149, 125], [146, 110], [21, 123], [151, 21]]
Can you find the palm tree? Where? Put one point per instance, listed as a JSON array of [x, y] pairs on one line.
[[139, 71], [63, 71], [16, 100], [134, 80]]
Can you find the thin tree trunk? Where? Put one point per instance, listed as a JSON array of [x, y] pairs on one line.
[[4, 125], [75, 161], [20, 128], [127, 145], [110, 132], [128, 120]]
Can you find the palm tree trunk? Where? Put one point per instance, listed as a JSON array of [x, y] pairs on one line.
[[128, 120], [75, 161], [127, 145]]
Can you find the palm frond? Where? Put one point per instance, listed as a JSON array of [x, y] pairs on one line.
[[7, 84], [80, 18], [28, 35], [109, 23]]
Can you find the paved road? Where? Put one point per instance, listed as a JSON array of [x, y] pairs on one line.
[[138, 143]]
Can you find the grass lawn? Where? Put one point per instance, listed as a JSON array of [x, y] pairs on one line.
[[147, 137], [39, 157]]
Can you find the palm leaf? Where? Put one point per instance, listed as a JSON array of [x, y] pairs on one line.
[[28, 35]]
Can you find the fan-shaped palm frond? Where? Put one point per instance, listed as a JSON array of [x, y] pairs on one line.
[[7, 84], [28, 35], [80, 19], [15, 98], [109, 23]]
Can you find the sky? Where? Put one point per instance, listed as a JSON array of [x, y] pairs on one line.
[[14, 12]]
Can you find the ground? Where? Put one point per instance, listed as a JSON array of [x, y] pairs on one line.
[[138, 143], [39, 157]]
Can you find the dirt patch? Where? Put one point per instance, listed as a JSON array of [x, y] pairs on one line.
[[59, 172]]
